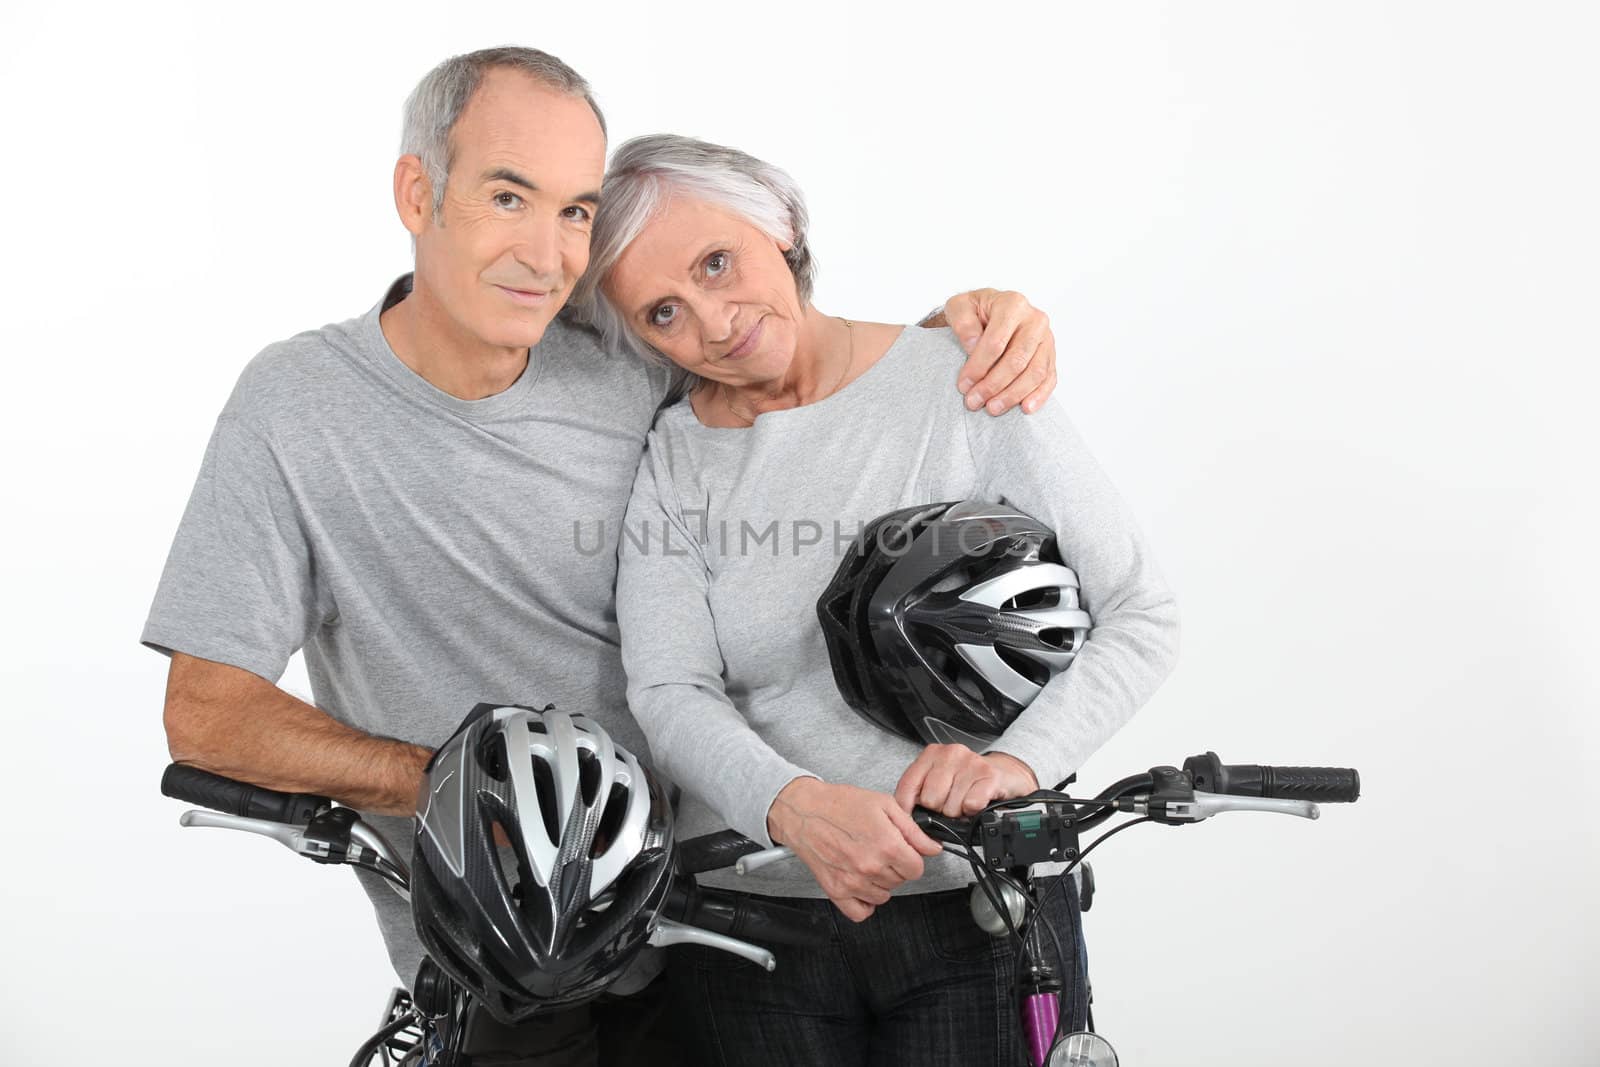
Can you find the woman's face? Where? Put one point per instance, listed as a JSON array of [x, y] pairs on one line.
[[711, 292]]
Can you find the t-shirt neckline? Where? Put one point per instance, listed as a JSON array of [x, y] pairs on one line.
[[394, 368]]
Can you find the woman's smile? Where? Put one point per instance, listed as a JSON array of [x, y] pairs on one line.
[[748, 343]]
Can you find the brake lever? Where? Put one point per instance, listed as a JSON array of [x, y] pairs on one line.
[[290, 837], [670, 932], [754, 861], [1205, 805], [367, 847]]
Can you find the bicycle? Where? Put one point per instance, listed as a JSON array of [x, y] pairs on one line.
[[430, 1024], [1019, 850]]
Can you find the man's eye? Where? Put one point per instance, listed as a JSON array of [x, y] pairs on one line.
[[716, 263], [505, 199], [578, 213], [662, 316]]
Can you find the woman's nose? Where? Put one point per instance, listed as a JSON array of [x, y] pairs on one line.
[[717, 319]]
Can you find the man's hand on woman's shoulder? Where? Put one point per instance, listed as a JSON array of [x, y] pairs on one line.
[[1011, 351]]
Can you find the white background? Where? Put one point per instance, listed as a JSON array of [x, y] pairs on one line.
[[1324, 280]]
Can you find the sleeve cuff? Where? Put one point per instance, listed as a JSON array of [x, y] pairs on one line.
[[1046, 757], [167, 640], [752, 818]]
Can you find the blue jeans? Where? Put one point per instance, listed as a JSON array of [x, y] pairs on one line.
[[918, 983]]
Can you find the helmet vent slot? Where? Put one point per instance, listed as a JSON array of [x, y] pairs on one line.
[[1031, 669], [544, 790], [588, 776], [492, 756], [611, 820], [1060, 637], [1033, 599], [506, 856], [940, 658], [968, 683]]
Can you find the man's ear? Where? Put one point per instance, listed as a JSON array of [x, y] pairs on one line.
[[413, 194]]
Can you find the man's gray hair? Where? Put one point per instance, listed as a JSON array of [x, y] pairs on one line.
[[644, 175], [435, 105]]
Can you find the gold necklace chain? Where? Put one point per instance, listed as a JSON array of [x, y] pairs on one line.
[[850, 359]]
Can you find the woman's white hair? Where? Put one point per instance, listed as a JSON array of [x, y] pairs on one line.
[[435, 105], [645, 174]]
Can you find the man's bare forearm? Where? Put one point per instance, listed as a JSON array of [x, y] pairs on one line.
[[228, 721]]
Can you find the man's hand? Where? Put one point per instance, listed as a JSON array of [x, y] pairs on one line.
[[1011, 352], [954, 780], [856, 842]]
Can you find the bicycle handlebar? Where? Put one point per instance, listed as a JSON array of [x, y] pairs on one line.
[[292, 818], [1045, 831], [713, 851], [742, 916], [1205, 787], [194, 786], [1322, 785]]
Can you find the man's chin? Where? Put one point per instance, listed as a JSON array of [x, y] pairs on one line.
[[520, 331]]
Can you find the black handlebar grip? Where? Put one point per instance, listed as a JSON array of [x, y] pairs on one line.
[[766, 921], [194, 786], [1324, 785], [746, 917], [712, 852]]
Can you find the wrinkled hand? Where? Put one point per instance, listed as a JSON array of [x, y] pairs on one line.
[[954, 780], [857, 843], [1011, 351]]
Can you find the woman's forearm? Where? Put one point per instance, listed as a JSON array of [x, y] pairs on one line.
[[700, 741]]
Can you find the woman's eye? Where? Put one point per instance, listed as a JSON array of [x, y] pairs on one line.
[[716, 263], [662, 316], [505, 199]]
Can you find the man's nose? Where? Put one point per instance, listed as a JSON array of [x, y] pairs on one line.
[[539, 247]]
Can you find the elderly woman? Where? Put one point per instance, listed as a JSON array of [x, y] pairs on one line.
[[795, 425]]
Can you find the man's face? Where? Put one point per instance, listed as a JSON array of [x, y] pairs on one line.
[[512, 235]]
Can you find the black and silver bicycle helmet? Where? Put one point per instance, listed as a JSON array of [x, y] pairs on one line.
[[559, 914], [944, 621]]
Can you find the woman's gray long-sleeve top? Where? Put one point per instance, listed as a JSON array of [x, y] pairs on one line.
[[732, 534]]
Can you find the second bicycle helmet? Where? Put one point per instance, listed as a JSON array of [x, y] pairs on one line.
[[553, 916], [944, 621]]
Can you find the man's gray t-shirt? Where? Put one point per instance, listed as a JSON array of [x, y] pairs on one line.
[[426, 552], [733, 533]]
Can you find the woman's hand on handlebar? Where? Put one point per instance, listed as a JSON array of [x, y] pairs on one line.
[[857, 843], [954, 780]]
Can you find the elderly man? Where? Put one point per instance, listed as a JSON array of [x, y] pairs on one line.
[[400, 495]]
